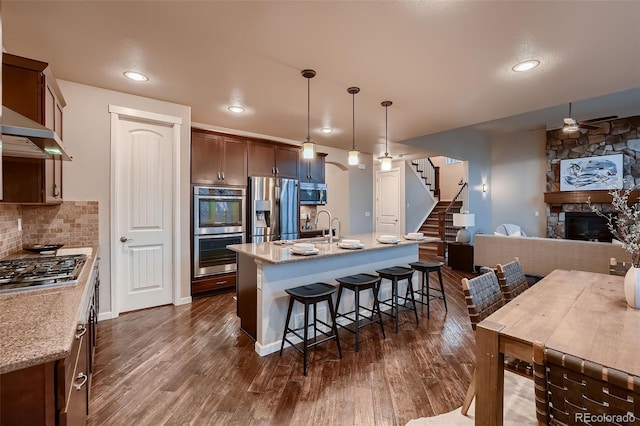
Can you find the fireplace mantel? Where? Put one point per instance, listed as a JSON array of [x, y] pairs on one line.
[[579, 197]]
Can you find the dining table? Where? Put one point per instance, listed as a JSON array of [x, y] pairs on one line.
[[576, 312]]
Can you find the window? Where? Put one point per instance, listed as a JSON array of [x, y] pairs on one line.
[[452, 160]]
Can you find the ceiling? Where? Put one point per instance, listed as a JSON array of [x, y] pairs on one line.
[[445, 65]]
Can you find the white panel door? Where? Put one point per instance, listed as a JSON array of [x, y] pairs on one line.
[[143, 213], [388, 202]]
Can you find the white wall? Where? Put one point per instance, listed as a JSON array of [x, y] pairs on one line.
[[518, 176], [475, 148], [512, 166], [417, 198], [361, 195], [349, 191], [450, 175], [337, 180], [88, 177]]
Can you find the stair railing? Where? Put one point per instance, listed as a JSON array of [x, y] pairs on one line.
[[430, 173], [443, 214]]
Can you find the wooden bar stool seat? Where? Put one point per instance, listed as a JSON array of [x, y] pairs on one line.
[[358, 283], [311, 294], [396, 274], [425, 268]]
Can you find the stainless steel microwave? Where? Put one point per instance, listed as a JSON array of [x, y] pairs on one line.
[[313, 193]]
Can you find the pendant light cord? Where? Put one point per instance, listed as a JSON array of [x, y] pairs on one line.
[[353, 117], [386, 129], [308, 107]]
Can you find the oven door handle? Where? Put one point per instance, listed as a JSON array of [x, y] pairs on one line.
[[219, 198], [218, 236]]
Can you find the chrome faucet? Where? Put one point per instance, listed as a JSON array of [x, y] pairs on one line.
[[339, 228], [330, 220]]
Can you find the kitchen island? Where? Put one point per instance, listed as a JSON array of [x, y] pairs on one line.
[[266, 270]]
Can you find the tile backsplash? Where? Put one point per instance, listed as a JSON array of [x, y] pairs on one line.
[[72, 223], [10, 236]]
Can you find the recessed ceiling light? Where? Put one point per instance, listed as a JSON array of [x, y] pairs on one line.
[[236, 108], [326, 130], [135, 76], [526, 65]]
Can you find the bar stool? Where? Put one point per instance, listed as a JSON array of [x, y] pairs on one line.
[[425, 267], [311, 294], [358, 283], [396, 274]]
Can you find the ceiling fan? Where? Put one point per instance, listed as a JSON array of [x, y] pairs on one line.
[[571, 125]]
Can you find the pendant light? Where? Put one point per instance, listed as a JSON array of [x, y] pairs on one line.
[[308, 147], [353, 154], [385, 162]]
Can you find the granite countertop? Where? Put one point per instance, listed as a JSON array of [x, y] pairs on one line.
[[280, 252], [39, 325]]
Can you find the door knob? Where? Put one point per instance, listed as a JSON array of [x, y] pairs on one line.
[[125, 239]]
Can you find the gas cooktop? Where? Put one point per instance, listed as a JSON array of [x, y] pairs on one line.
[[40, 272]]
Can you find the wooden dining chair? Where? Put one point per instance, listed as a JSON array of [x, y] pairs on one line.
[[618, 268], [568, 388], [512, 279], [484, 297]]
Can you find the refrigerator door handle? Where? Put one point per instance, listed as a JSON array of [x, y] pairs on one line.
[[276, 211]]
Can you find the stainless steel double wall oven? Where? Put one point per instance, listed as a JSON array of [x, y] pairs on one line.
[[218, 220]]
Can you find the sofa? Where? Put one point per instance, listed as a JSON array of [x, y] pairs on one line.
[[540, 256]]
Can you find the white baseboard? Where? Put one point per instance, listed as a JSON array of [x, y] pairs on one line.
[[109, 315], [105, 316], [183, 301]]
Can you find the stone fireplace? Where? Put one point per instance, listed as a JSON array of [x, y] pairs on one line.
[[620, 136], [587, 226]]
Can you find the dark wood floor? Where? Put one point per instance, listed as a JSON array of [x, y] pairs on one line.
[[192, 365]]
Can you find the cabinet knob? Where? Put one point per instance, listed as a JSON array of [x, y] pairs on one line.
[[222, 175]]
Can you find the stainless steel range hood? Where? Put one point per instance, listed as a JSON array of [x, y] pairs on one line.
[[23, 137]]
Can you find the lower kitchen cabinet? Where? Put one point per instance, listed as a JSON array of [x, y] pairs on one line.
[[53, 393], [213, 283], [56, 392]]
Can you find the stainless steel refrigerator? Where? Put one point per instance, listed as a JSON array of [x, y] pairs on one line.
[[273, 209]]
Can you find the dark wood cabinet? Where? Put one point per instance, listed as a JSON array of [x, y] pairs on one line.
[[218, 159], [271, 159], [460, 256], [30, 89], [312, 170], [213, 283], [56, 392]]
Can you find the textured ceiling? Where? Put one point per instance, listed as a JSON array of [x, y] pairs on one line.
[[444, 65]]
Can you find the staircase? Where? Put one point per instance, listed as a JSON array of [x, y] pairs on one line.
[[430, 228], [429, 173]]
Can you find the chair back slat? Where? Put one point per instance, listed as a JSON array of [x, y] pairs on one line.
[[512, 279], [567, 387], [482, 295], [618, 268]]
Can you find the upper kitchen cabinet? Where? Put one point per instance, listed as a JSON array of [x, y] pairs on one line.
[[218, 159], [30, 89], [312, 170], [272, 159]]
